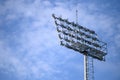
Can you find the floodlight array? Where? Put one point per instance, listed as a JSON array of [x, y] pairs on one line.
[[79, 38]]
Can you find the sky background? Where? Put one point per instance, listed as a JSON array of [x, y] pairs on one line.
[[29, 44]]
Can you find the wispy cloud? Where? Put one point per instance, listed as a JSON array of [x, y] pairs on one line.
[[29, 45]]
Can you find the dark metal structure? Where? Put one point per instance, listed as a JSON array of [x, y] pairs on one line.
[[83, 40]]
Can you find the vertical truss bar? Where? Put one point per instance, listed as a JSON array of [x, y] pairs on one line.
[[88, 68]]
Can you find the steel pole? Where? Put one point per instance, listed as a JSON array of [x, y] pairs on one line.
[[85, 68]]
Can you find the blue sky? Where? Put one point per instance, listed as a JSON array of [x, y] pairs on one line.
[[29, 44]]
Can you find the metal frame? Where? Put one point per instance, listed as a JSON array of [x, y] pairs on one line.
[[83, 40], [79, 38]]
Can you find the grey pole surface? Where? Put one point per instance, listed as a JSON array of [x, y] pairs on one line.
[[85, 67]]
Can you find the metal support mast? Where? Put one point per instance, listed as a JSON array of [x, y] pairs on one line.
[[88, 68], [76, 16]]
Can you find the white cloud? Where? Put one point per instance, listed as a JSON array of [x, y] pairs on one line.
[[38, 53]]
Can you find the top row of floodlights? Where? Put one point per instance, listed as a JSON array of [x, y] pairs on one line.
[[80, 39]]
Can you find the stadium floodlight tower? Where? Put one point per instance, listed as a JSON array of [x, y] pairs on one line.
[[83, 40]]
